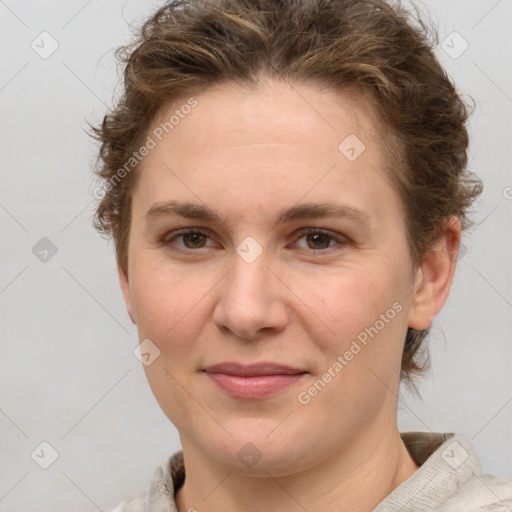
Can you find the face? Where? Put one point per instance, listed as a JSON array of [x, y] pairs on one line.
[[268, 276]]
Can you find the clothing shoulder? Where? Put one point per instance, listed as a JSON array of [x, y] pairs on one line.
[[158, 496], [482, 493], [449, 478], [134, 504]]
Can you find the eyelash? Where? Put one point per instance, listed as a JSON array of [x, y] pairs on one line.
[[166, 240]]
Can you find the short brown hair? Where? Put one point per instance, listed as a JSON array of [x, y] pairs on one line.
[[383, 52]]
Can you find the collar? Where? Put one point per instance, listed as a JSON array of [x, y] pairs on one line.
[[446, 461]]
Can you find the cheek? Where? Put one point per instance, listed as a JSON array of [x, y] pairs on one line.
[[167, 305], [361, 358], [362, 318], [346, 302], [170, 313]]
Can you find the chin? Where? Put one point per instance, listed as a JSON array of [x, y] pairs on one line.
[[257, 447]]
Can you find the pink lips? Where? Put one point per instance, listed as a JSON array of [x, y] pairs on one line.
[[253, 381]]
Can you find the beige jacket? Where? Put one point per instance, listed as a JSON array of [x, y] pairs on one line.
[[449, 479]]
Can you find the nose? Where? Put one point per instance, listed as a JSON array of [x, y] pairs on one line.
[[252, 300]]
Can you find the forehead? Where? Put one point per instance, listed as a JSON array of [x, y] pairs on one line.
[[275, 112], [257, 147]]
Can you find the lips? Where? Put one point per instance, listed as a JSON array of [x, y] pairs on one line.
[[257, 369], [254, 381]]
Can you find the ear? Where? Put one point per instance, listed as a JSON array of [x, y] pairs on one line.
[[434, 277], [125, 288]]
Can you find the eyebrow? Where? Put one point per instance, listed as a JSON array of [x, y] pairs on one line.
[[297, 212]]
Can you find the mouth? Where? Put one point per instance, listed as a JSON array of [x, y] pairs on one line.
[[254, 381]]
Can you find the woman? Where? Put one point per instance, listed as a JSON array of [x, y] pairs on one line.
[[286, 186]]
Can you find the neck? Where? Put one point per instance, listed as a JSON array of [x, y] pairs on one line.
[[352, 479]]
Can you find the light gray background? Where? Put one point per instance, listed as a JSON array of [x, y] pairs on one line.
[[69, 376]]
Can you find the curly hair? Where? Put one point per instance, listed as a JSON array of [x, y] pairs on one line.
[[383, 52]]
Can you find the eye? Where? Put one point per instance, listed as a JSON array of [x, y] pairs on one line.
[[192, 238], [319, 239]]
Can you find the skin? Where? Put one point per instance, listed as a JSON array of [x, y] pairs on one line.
[[248, 153]]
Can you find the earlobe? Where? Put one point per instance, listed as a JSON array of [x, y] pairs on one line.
[[125, 288], [435, 276]]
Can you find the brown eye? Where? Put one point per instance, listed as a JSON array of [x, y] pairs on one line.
[[318, 240], [194, 240]]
